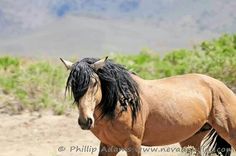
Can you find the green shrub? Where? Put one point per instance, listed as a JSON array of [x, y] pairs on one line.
[[40, 84], [35, 84], [9, 62], [215, 58]]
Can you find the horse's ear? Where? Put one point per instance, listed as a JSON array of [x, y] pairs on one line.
[[67, 64], [100, 64]]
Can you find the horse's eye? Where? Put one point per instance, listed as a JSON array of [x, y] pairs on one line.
[[95, 83]]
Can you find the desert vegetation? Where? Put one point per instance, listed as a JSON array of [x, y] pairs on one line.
[[35, 85]]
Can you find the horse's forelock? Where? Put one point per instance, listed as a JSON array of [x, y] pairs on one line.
[[79, 78]]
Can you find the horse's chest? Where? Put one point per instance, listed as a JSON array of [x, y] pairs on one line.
[[109, 136]]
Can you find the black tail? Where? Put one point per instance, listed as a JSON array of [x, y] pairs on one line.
[[213, 143]]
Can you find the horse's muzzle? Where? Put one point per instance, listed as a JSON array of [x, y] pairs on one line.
[[85, 124]]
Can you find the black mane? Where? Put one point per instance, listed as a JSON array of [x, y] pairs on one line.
[[116, 83]]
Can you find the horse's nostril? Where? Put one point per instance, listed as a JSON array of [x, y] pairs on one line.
[[90, 121], [85, 124], [79, 122]]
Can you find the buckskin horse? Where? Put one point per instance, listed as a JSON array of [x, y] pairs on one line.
[[125, 111]]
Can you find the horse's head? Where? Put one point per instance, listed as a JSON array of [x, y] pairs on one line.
[[98, 87], [86, 88]]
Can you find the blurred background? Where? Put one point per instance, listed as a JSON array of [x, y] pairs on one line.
[[153, 38], [53, 28]]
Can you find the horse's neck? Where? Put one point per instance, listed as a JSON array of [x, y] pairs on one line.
[[142, 85], [118, 109], [137, 79]]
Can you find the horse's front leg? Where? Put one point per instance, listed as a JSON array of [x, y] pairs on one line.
[[106, 150], [133, 146]]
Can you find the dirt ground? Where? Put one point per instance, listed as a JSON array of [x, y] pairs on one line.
[[49, 135]]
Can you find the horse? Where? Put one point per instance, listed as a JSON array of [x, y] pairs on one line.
[[125, 111]]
